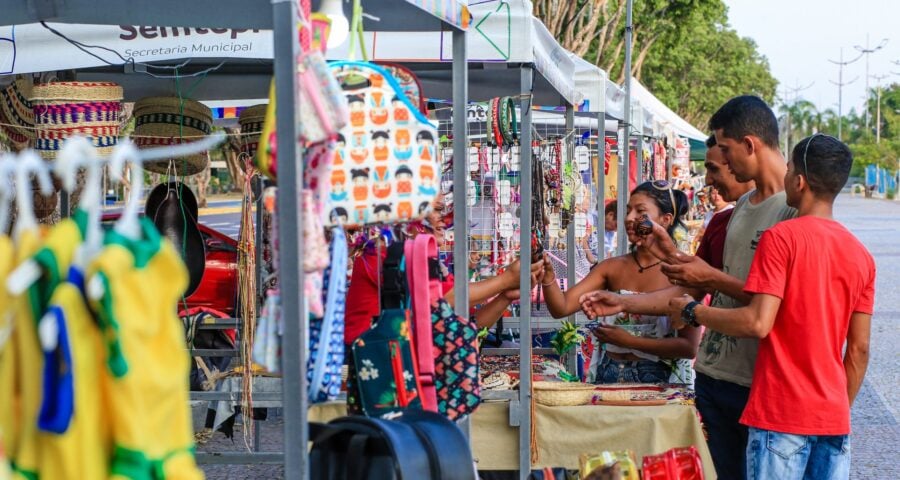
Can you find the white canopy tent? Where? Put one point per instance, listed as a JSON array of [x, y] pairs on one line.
[[664, 118]]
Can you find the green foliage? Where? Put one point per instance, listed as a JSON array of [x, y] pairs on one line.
[[890, 194], [684, 50], [698, 66]]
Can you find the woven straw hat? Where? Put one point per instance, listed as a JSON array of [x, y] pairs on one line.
[[164, 121], [16, 114], [64, 109], [251, 121]]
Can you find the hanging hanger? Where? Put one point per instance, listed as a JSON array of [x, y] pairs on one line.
[[28, 162], [78, 152], [126, 152], [7, 189], [29, 272]]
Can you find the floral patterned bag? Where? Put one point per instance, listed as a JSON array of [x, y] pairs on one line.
[[386, 373]]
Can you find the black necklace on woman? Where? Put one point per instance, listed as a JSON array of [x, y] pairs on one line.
[[641, 268]]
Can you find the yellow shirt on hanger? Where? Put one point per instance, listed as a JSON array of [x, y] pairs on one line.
[[83, 449], [7, 260], [54, 257], [148, 403], [25, 375]]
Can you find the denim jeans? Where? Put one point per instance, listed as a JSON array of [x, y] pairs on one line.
[[643, 371], [721, 404], [797, 457]]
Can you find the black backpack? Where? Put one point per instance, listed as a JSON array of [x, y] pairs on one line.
[[417, 445]]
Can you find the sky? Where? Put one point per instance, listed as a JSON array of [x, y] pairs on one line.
[[800, 36]]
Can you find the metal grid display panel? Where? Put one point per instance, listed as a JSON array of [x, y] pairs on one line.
[[493, 202]]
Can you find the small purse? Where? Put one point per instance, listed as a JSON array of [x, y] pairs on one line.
[[385, 369], [323, 108]]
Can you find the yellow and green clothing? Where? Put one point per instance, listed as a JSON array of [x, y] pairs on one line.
[[25, 361], [147, 398], [7, 261], [81, 449], [53, 251]]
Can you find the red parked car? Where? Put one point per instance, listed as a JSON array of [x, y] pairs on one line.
[[218, 287]]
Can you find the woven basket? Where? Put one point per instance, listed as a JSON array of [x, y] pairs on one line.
[[251, 121], [159, 122], [562, 394], [65, 109], [16, 114]]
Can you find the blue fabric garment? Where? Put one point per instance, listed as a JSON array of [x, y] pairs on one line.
[[327, 334], [58, 403], [787, 456]]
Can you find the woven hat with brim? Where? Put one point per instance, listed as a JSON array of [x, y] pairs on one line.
[[165, 121], [11, 136], [66, 109], [251, 121], [16, 113]]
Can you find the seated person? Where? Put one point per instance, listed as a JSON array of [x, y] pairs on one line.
[[645, 348]]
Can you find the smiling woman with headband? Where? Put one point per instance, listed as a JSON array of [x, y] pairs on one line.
[[643, 349]]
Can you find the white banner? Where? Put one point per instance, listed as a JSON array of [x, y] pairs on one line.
[[33, 48]]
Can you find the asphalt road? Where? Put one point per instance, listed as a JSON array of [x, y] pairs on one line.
[[876, 431], [221, 215]]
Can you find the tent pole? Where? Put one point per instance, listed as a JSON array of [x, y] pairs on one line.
[[626, 144], [290, 175], [525, 229], [460, 174], [601, 185], [570, 229]]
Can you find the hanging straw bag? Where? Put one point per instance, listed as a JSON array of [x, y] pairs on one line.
[[166, 121], [65, 109]]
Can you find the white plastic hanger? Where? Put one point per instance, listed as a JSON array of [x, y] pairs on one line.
[[7, 189], [128, 224], [28, 162], [76, 153]]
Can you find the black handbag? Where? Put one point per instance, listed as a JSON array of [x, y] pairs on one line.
[[417, 445]]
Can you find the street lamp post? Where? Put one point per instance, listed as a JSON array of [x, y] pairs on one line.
[[841, 84], [867, 51]]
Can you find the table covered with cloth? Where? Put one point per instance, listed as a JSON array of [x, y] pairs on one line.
[[563, 433]]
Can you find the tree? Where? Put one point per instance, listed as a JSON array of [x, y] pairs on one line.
[[684, 50]]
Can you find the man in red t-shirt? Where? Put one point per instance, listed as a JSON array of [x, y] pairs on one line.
[[813, 287], [720, 178]]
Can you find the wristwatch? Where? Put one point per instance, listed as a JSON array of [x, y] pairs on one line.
[[688, 316]]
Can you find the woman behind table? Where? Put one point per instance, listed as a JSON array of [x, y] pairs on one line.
[[645, 348]]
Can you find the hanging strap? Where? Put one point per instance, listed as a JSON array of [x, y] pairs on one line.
[[423, 290], [334, 310], [356, 34]]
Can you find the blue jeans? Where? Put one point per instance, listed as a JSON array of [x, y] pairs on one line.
[[721, 404], [797, 457], [643, 371]]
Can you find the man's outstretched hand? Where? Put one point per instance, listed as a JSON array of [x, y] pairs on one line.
[[601, 304]]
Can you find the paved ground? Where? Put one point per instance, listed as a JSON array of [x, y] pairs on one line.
[[876, 431]]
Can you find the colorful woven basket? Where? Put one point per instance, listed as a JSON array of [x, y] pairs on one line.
[[16, 115], [251, 121], [164, 121], [65, 109]]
